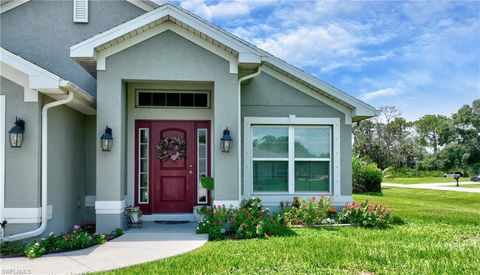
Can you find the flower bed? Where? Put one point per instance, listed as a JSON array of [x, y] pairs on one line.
[[77, 238], [252, 220]]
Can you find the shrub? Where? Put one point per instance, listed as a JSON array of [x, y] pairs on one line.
[[308, 212], [117, 232], [365, 214], [366, 176], [77, 238], [253, 221], [214, 222], [34, 250]]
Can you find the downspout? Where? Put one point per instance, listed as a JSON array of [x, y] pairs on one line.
[[43, 223], [240, 170]]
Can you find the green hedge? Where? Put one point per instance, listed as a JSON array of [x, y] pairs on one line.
[[366, 177]]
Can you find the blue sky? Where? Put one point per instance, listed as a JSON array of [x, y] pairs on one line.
[[423, 57]]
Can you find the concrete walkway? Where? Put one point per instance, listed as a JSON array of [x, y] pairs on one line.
[[152, 242], [445, 186]]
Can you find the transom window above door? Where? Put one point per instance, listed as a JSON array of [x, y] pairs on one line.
[[172, 99]]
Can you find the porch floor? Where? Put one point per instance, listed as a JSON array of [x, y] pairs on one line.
[[138, 245]]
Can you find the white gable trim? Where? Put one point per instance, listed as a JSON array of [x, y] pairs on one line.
[[86, 49], [102, 55], [11, 5], [345, 110], [144, 5], [35, 79]]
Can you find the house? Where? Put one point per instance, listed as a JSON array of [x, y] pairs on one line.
[[132, 102]]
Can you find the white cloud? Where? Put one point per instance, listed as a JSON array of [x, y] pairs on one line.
[[380, 93], [223, 9]]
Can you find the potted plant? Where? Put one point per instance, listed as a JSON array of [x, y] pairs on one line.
[[135, 215]]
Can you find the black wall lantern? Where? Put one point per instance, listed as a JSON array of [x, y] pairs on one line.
[[226, 141], [16, 133], [106, 140]]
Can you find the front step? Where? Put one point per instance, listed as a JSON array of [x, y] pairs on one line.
[[177, 217]]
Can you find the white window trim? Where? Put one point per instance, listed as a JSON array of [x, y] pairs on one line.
[[139, 174], [137, 96], [198, 164], [292, 120]]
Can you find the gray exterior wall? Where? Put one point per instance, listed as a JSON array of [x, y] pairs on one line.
[[266, 96], [166, 56], [67, 161], [22, 165], [42, 31], [67, 167]]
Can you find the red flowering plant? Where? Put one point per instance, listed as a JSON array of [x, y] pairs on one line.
[[214, 221], [365, 214], [78, 238], [252, 220], [308, 212]]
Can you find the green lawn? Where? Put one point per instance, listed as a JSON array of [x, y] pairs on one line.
[[441, 236], [425, 180]]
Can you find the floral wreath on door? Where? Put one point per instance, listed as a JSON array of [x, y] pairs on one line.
[[174, 148]]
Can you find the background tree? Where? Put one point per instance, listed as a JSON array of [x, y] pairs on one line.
[[431, 128]]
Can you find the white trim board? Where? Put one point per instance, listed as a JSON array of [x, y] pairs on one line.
[[35, 79], [26, 215], [3, 113], [109, 207]]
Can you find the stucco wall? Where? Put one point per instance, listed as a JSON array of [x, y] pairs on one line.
[[67, 162], [22, 165], [266, 96], [66, 167], [43, 32], [166, 56]]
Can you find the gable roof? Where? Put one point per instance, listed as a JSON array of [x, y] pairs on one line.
[[91, 53], [35, 78]]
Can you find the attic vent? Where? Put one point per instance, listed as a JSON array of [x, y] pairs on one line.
[[80, 11]]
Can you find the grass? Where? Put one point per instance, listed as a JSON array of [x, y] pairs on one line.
[[440, 236], [425, 180]]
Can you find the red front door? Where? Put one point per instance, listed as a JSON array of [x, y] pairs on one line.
[[166, 185], [173, 180]]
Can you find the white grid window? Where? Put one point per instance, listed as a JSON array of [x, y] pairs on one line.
[[143, 165], [291, 159], [202, 164]]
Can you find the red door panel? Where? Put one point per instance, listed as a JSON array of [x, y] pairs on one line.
[[173, 180], [172, 184]]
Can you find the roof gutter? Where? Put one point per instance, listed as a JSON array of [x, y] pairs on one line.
[[239, 130], [44, 189]]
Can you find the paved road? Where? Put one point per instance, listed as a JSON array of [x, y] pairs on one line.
[[153, 242], [445, 186]]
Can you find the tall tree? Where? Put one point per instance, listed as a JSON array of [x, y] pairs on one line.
[[430, 128]]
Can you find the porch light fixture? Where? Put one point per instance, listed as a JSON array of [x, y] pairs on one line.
[[226, 141], [106, 140], [16, 133]]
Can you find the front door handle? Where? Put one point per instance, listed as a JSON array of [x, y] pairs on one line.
[[190, 172]]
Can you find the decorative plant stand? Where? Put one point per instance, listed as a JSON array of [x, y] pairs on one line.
[[134, 215]]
